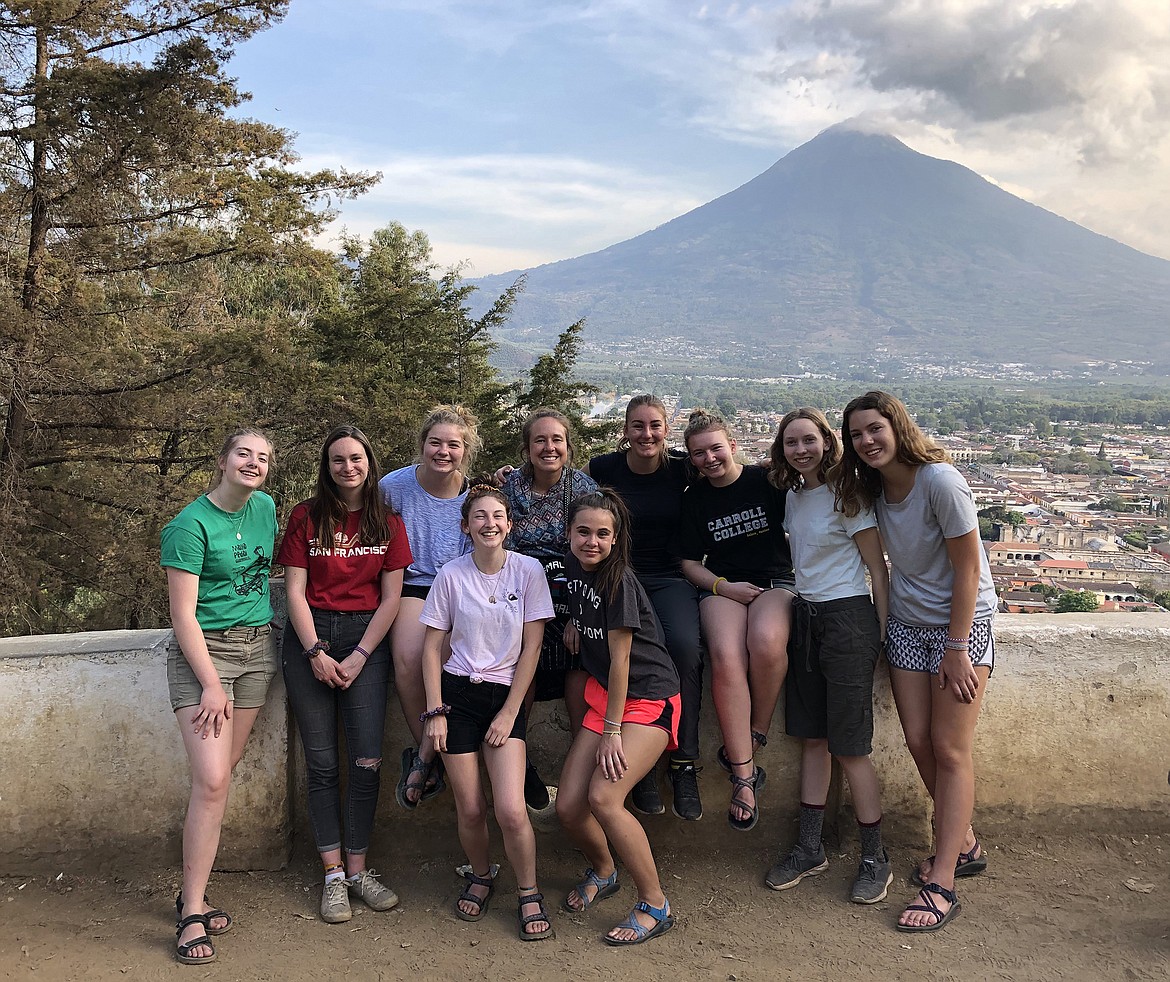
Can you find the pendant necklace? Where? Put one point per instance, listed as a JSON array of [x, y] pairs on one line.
[[490, 583]]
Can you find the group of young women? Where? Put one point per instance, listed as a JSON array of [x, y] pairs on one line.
[[599, 585]]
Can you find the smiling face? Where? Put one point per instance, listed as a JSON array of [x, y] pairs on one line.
[[646, 430], [804, 449], [245, 465], [548, 448], [591, 537], [713, 454], [442, 449], [873, 438], [348, 465], [487, 522]]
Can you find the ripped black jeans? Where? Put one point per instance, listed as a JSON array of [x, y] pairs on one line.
[[362, 708]]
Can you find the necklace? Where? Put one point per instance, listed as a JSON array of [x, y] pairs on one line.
[[235, 518], [490, 583]]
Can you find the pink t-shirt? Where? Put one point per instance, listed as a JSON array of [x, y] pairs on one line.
[[486, 637]]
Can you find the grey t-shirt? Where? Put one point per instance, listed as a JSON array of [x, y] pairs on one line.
[[826, 559], [433, 525], [915, 530]]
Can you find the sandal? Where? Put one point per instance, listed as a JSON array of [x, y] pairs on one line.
[[758, 740], [968, 864], [481, 903], [210, 915], [414, 778], [930, 907], [663, 922], [523, 920], [753, 784], [435, 779], [184, 949], [606, 887]]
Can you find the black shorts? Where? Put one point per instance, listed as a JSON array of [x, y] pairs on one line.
[[831, 658], [473, 707], [417, 591]]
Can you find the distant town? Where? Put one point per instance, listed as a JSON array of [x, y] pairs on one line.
[[1093, 539]]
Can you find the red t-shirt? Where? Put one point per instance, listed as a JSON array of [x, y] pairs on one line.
[[347, 577]]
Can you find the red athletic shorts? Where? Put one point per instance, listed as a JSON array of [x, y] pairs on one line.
[[663, 713]]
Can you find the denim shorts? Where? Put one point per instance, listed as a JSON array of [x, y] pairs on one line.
[[473, 707], [244, 658]]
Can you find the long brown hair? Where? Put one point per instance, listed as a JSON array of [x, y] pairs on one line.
[[612, 568], [781, 473], [327, 509], [637, 402], [859, 484]]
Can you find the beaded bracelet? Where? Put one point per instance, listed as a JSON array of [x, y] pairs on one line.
[[715, 585], [361, 651], [955, 644], [442, 710], [610, 722]]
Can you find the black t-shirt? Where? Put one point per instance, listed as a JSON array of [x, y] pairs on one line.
[[652, 673], [739, 529], [655, 502]]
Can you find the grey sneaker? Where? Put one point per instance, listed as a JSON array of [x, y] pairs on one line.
[[335, 902], [375, 895], [874, 877], [794, 867]]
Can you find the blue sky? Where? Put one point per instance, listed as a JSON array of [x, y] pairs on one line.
[[516, 132]]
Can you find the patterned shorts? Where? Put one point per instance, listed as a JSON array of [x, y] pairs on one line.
[[920, 649]]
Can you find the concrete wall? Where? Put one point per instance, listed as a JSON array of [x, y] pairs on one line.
[[1075, 729], [92, 763]]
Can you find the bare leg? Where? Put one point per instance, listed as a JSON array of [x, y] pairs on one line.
[[574, 812], [406, 644], [816, 771], [471, 814], [725, 627], [643, 745], [769, 620], [212, 761], [952, 736]]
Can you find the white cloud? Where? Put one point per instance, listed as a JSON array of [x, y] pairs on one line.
[[477, 207]]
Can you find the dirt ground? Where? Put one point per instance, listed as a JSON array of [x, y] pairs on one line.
[[1090, 907]]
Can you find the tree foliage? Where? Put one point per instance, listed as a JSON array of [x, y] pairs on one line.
[[132, 203], [1076, 601]]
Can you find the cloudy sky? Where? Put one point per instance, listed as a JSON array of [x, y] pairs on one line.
[[516, 132]]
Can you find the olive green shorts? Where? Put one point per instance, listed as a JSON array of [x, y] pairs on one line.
[[245, 659]]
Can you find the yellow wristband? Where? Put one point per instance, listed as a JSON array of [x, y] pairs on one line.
[[715, 585]]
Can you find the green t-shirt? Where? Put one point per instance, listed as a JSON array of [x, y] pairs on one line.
[[231, 554]]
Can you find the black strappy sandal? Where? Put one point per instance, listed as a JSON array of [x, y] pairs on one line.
[[184, 949], [758, 740], [481, 903], [753, 784], [523, 920], [211, 915]]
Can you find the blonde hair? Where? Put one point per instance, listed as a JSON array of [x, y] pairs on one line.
[[229, 444], [636, 403], [702, 420], [458, 416]]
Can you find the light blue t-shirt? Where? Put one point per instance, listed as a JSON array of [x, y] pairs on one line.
[[433, 525], [915, 530]]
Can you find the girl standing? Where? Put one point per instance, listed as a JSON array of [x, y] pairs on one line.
[[217, 553], [651, 480], [837, 634], [539, 494], [938, 636], [632, 717], [429, 495], [490, 607], [735, 519], [343, 554]]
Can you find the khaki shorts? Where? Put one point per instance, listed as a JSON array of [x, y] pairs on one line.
[[245, 659]]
